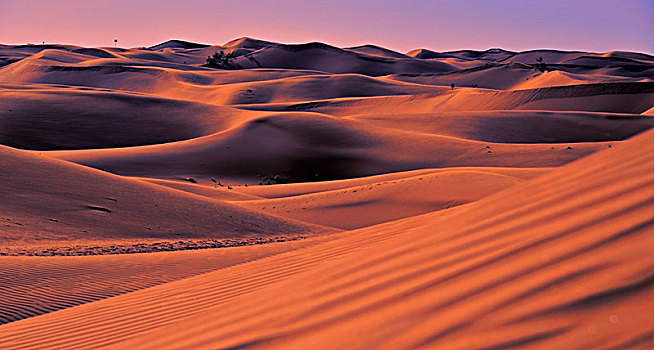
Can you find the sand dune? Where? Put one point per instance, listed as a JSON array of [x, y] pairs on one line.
[[517, 126], [326, 58], [308, 147], [297, 189], [376, 51], [34, 286], [583, 277], [80, 118], [177, 44], [391, 199], [624, 97], [311, 196], [48, 202]]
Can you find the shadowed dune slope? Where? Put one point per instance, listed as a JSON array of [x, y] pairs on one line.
[[326, 58], [50, 118], [49, 201], [562, 261], [10, 54], [311, 147], [177, 44], [376, 51]]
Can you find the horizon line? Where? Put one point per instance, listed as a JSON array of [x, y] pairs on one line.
[[322, 42]]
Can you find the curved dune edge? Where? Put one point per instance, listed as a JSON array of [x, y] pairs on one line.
[[387, 200], [562, 261], [307, 147], [360, 202], [48, 203]]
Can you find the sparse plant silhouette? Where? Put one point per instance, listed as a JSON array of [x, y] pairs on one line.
[[541, 65], [220, 60], [277, 179]]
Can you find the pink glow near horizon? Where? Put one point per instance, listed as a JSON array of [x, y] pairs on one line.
[[601, 25]]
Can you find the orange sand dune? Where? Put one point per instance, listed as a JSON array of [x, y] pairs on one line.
[[374, 205], [46, 201], [215, 190], [33, 286], [560, 261], [377, 202], [297, 189]]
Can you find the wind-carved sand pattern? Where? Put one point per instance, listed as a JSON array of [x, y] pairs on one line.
[[312, 196]]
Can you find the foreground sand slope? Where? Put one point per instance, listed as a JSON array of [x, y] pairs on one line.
[[563, 261], [31, 286]]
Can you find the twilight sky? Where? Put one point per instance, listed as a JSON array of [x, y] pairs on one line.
[[592, 25]]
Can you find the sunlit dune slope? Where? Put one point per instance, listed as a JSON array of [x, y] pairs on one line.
[[297, 189], [215, 190], [32, 286], [562, 261], [49, 201], [385, 198]]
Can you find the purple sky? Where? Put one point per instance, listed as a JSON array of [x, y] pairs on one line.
[[591, 25]]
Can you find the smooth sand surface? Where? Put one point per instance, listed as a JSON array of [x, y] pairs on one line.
[[391, 199], [321, 197]]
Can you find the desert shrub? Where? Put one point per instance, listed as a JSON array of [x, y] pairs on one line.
[[220, 60], [541, 65], [274, 180]]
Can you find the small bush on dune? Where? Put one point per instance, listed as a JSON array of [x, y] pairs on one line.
[[220, 60], [541, 65], [277, 179]]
